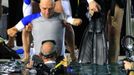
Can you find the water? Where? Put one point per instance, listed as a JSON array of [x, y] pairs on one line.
[[76, 69], [88, 69]]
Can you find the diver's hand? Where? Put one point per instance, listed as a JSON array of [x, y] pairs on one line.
[[28, 27], [76, 21], [128, 65], [12, 32], [94, 7]]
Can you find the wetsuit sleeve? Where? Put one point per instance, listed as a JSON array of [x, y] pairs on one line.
[[24, 21]]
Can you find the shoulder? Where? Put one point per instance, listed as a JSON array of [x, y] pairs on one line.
[[31, 17]]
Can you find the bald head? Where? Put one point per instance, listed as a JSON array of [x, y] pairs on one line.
[[48, 2], [48, 47], [47, 7]]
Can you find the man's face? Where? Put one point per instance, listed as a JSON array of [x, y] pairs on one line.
[[47, 47], [47, 8]]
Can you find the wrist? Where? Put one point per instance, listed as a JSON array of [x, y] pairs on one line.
[[19, 26], [15, 29]]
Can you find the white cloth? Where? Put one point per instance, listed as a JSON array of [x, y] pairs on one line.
[[27, 9], [89, 1], [67, 10]]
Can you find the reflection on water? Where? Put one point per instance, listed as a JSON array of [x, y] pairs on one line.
[[88, 69], [73, 69]]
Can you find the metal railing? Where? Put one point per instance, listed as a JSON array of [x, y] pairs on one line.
[[129, 20]]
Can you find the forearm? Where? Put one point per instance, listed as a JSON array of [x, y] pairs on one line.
[[26, 41], [70, 38], [70, 41]]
